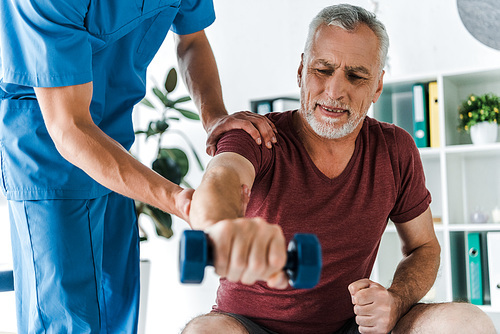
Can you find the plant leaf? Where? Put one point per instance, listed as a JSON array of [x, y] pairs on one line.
[[150, 131], [163, 98], [188, 114], [183, 99], [188, 141], [147, 103], [162, 221], [179, 157], [197, 158], [186, 184], [159, 126], [168, 168], [171, 80]]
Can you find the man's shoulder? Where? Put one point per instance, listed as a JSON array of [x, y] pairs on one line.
[[280, 118], [389, 137], [385, 129]]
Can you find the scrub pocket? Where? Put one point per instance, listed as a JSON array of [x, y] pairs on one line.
[[156, 33], [108, 21]]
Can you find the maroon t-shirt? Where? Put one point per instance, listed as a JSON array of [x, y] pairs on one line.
[[384, 179]]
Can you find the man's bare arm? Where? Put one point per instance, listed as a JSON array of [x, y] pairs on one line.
[[221, 194], [78, 139], [378, 309], [417, 272], [245, 249]]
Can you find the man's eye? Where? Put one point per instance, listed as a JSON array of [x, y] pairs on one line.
[[355, 77], [324, 71]]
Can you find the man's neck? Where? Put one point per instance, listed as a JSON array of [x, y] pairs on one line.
[[330, 156]]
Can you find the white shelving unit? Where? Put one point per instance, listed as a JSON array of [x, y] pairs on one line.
[[460, 176]]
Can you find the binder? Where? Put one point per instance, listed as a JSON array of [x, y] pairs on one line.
[[433, 115], [283, 103], [402, 104], [420, 119], [493, 246], [475, 281]]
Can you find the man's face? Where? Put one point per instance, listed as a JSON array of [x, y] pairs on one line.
[[339, 78]]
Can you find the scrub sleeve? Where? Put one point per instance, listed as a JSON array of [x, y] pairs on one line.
[[75, 243]]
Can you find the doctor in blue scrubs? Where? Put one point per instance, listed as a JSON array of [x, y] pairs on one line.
[[71, 73]]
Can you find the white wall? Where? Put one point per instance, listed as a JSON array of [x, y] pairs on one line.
[[258, 45]]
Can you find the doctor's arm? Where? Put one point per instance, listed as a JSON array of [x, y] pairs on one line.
[[78, 139], [199, 70], [378, 308], [245, 249]]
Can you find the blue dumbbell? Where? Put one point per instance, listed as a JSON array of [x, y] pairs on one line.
[[303, 264], [6, 281]]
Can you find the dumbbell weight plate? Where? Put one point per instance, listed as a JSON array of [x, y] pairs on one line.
[[304, 261], [193, 256]]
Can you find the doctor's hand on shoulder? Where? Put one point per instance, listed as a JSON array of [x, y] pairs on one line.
[[248, 250], [259, 127]]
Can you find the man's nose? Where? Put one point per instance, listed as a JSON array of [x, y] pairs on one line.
[[336, 85]]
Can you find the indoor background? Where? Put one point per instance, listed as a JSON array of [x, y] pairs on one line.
[[257, 45]]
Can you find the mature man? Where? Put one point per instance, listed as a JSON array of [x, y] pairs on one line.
[[338, 174], [71, 72]]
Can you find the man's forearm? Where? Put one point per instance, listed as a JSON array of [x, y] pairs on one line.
[[215, 199], [415, 275], [221, 194]]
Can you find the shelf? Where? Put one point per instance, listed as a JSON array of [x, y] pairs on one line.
[[430, 152], [460, 176], [489, 309], [470, 149], [473, 227]]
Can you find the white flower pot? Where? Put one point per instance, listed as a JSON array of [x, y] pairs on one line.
[[484, 133]]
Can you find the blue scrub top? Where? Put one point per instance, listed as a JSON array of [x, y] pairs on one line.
[[52, 43]]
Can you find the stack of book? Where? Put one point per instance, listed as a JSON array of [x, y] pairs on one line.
[[426, 114], [483, 259]]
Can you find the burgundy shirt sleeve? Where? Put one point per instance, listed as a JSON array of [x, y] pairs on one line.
[[240, 142], [413, 197]]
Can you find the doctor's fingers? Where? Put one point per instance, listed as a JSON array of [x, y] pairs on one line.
[[260, 128], [265, 127]]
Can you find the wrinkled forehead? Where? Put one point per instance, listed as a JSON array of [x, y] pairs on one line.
[[357, 47]]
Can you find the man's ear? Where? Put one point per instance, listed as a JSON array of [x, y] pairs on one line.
[[299, 72], [379, 87]]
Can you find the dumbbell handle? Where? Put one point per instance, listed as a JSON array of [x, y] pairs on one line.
[[303, 264]]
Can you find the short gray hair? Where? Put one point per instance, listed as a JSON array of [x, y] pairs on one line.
[[348, 17]]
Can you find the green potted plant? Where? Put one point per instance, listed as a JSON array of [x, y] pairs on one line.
[[171, 163], [479, 115]]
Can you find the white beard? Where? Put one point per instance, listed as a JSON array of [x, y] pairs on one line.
[[326, 126]]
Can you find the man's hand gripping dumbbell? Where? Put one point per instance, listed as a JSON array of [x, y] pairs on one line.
[[248, 250]]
